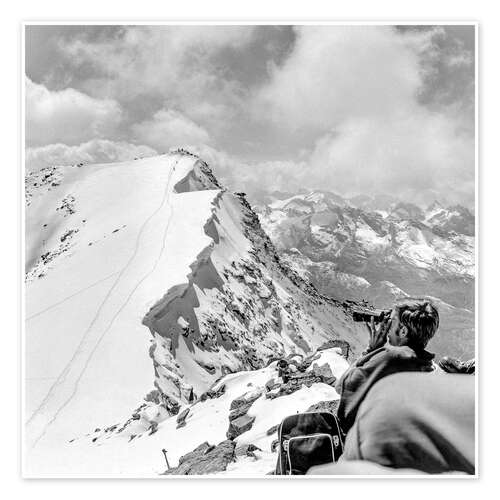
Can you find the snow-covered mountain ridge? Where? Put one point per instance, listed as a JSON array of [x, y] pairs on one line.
[[146, 282]]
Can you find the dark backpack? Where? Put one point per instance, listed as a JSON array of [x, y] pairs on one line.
[[308, 439]]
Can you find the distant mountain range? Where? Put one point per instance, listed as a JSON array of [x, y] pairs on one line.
[[379, 249]]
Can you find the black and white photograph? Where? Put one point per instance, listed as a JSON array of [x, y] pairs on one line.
[[249, 249]]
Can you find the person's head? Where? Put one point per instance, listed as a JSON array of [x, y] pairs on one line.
[[413, 323]]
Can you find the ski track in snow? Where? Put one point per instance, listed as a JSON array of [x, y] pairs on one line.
[[62, 301], [62, 377]]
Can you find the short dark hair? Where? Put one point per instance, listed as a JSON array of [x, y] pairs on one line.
[[421, 318]]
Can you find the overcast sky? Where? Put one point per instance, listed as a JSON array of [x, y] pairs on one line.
[[360, 109]]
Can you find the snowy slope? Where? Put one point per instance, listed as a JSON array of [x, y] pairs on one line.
[[84, 337], [137, 453], [146, 282]]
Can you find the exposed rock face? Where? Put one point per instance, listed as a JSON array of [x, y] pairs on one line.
[[241, 306], [294, 384], [324, 371], [330, 406], [199, 178], [181, 418], [245, 399], [42, 181], [205, 459], [299, 372], [211, 394], [272, 430], [239, 425], [238, 412], [183, 415], [247, 450]]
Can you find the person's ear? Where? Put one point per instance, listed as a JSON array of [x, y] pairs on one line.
[[403, 331]]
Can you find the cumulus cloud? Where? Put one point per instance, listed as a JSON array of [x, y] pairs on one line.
[[254, 177], [94, 151], [158, 62], [343, 72], [168, 128], [67, 116], [417, 157], [358, 88]]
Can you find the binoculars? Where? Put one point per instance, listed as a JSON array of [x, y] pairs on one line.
[[365, 315]]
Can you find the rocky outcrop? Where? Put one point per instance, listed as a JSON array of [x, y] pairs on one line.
[[211, 393], [239, 425], [199, 178], [247, 450], [239, 421], [205, 459], [272, 430], [239, 412], [297, 372], [245, 399], [324, 372], [295, 383], [329, 406], [181, 418]]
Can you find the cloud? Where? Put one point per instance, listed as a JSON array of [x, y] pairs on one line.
[[343, 72], [417, 157], [67, 116], [168, 128], [94, 151], [419, 165], [355, 91], [256, 177], [143, 67], [158, 62]]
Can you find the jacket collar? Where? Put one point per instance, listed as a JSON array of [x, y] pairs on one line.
[[424, 355]]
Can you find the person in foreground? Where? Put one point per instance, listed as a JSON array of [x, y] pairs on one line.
[[398, 418], [411, 423], [408, 329]]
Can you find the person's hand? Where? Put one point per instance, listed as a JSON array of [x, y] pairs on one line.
[[378, 333]]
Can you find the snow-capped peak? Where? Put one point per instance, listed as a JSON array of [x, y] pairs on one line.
[[146, 282]]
